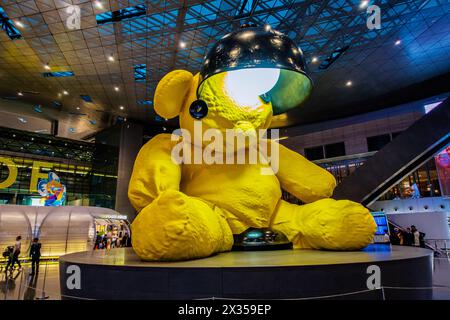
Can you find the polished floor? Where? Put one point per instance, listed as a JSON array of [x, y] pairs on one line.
[[21, 286]]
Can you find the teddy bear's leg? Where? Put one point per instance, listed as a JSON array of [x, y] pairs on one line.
[[178, 227], [325, 224]]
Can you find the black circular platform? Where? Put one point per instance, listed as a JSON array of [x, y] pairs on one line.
[[283, 274]]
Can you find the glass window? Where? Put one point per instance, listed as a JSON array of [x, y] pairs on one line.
[[335, 150], [314, 153], [375, 143]]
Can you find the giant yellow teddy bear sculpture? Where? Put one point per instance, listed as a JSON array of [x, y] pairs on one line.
[[191, 211]]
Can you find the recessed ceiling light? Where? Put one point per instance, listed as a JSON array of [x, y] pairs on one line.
[[121, 107], [397, 42], [65, 92], [98, 5], [116, 88], [182, 44], [78, 108], [20, 93], [314, 59], [364, 4], [19, 24], [111, 58], [349, 83], [47, 67]]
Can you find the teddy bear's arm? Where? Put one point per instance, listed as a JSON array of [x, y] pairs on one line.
[[302, 178], [153, 172]]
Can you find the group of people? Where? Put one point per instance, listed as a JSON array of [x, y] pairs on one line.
[[409, 237], [109, 240], [12, 253]]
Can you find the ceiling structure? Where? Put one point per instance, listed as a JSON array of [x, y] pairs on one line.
[[116, 65]]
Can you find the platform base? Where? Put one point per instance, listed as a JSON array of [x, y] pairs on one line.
[[283, 274]]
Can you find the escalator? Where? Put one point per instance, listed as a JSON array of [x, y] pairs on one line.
[[408, 151]]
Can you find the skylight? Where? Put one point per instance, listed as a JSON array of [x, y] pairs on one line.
[[86, 98], [58, 74], [145, 102], [140, 72], [333, 57], [120, 15], [8, 26]]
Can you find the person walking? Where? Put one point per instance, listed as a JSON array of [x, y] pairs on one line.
[[15, 254], [125, 240], [35, 254], [98, 241]]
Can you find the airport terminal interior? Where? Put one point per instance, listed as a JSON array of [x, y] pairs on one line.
[[106, 104]]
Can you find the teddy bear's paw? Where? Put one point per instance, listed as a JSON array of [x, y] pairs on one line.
[[177, 227], [336, 225]]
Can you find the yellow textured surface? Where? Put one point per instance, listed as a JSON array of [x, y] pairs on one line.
[[302, 178], [171, 93], [192, 210]]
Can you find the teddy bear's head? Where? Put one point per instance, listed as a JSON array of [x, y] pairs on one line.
[[177, 91]]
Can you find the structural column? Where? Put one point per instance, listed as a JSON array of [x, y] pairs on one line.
[[130, 142]]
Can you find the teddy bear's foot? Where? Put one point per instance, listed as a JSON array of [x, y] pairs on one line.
[[178, 227], [326, 224]]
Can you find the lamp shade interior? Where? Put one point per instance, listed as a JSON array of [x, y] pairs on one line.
[[259, 64]]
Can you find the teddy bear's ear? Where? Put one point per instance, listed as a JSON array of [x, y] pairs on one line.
[[171, 93]]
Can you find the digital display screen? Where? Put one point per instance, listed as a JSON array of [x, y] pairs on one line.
[[382, 223]]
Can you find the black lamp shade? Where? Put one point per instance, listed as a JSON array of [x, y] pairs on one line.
[[254, 47]]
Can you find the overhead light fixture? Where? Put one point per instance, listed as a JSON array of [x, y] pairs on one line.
[[116, 88], [65, 92], [78, 108], [398, 42], [314, 59], [182, 44], [98, 5], [111, 58], [20, 94], [47, 67], [349, 83], [121, 108], [364, 4], [267, 27], [257, 66], [19, 24]]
